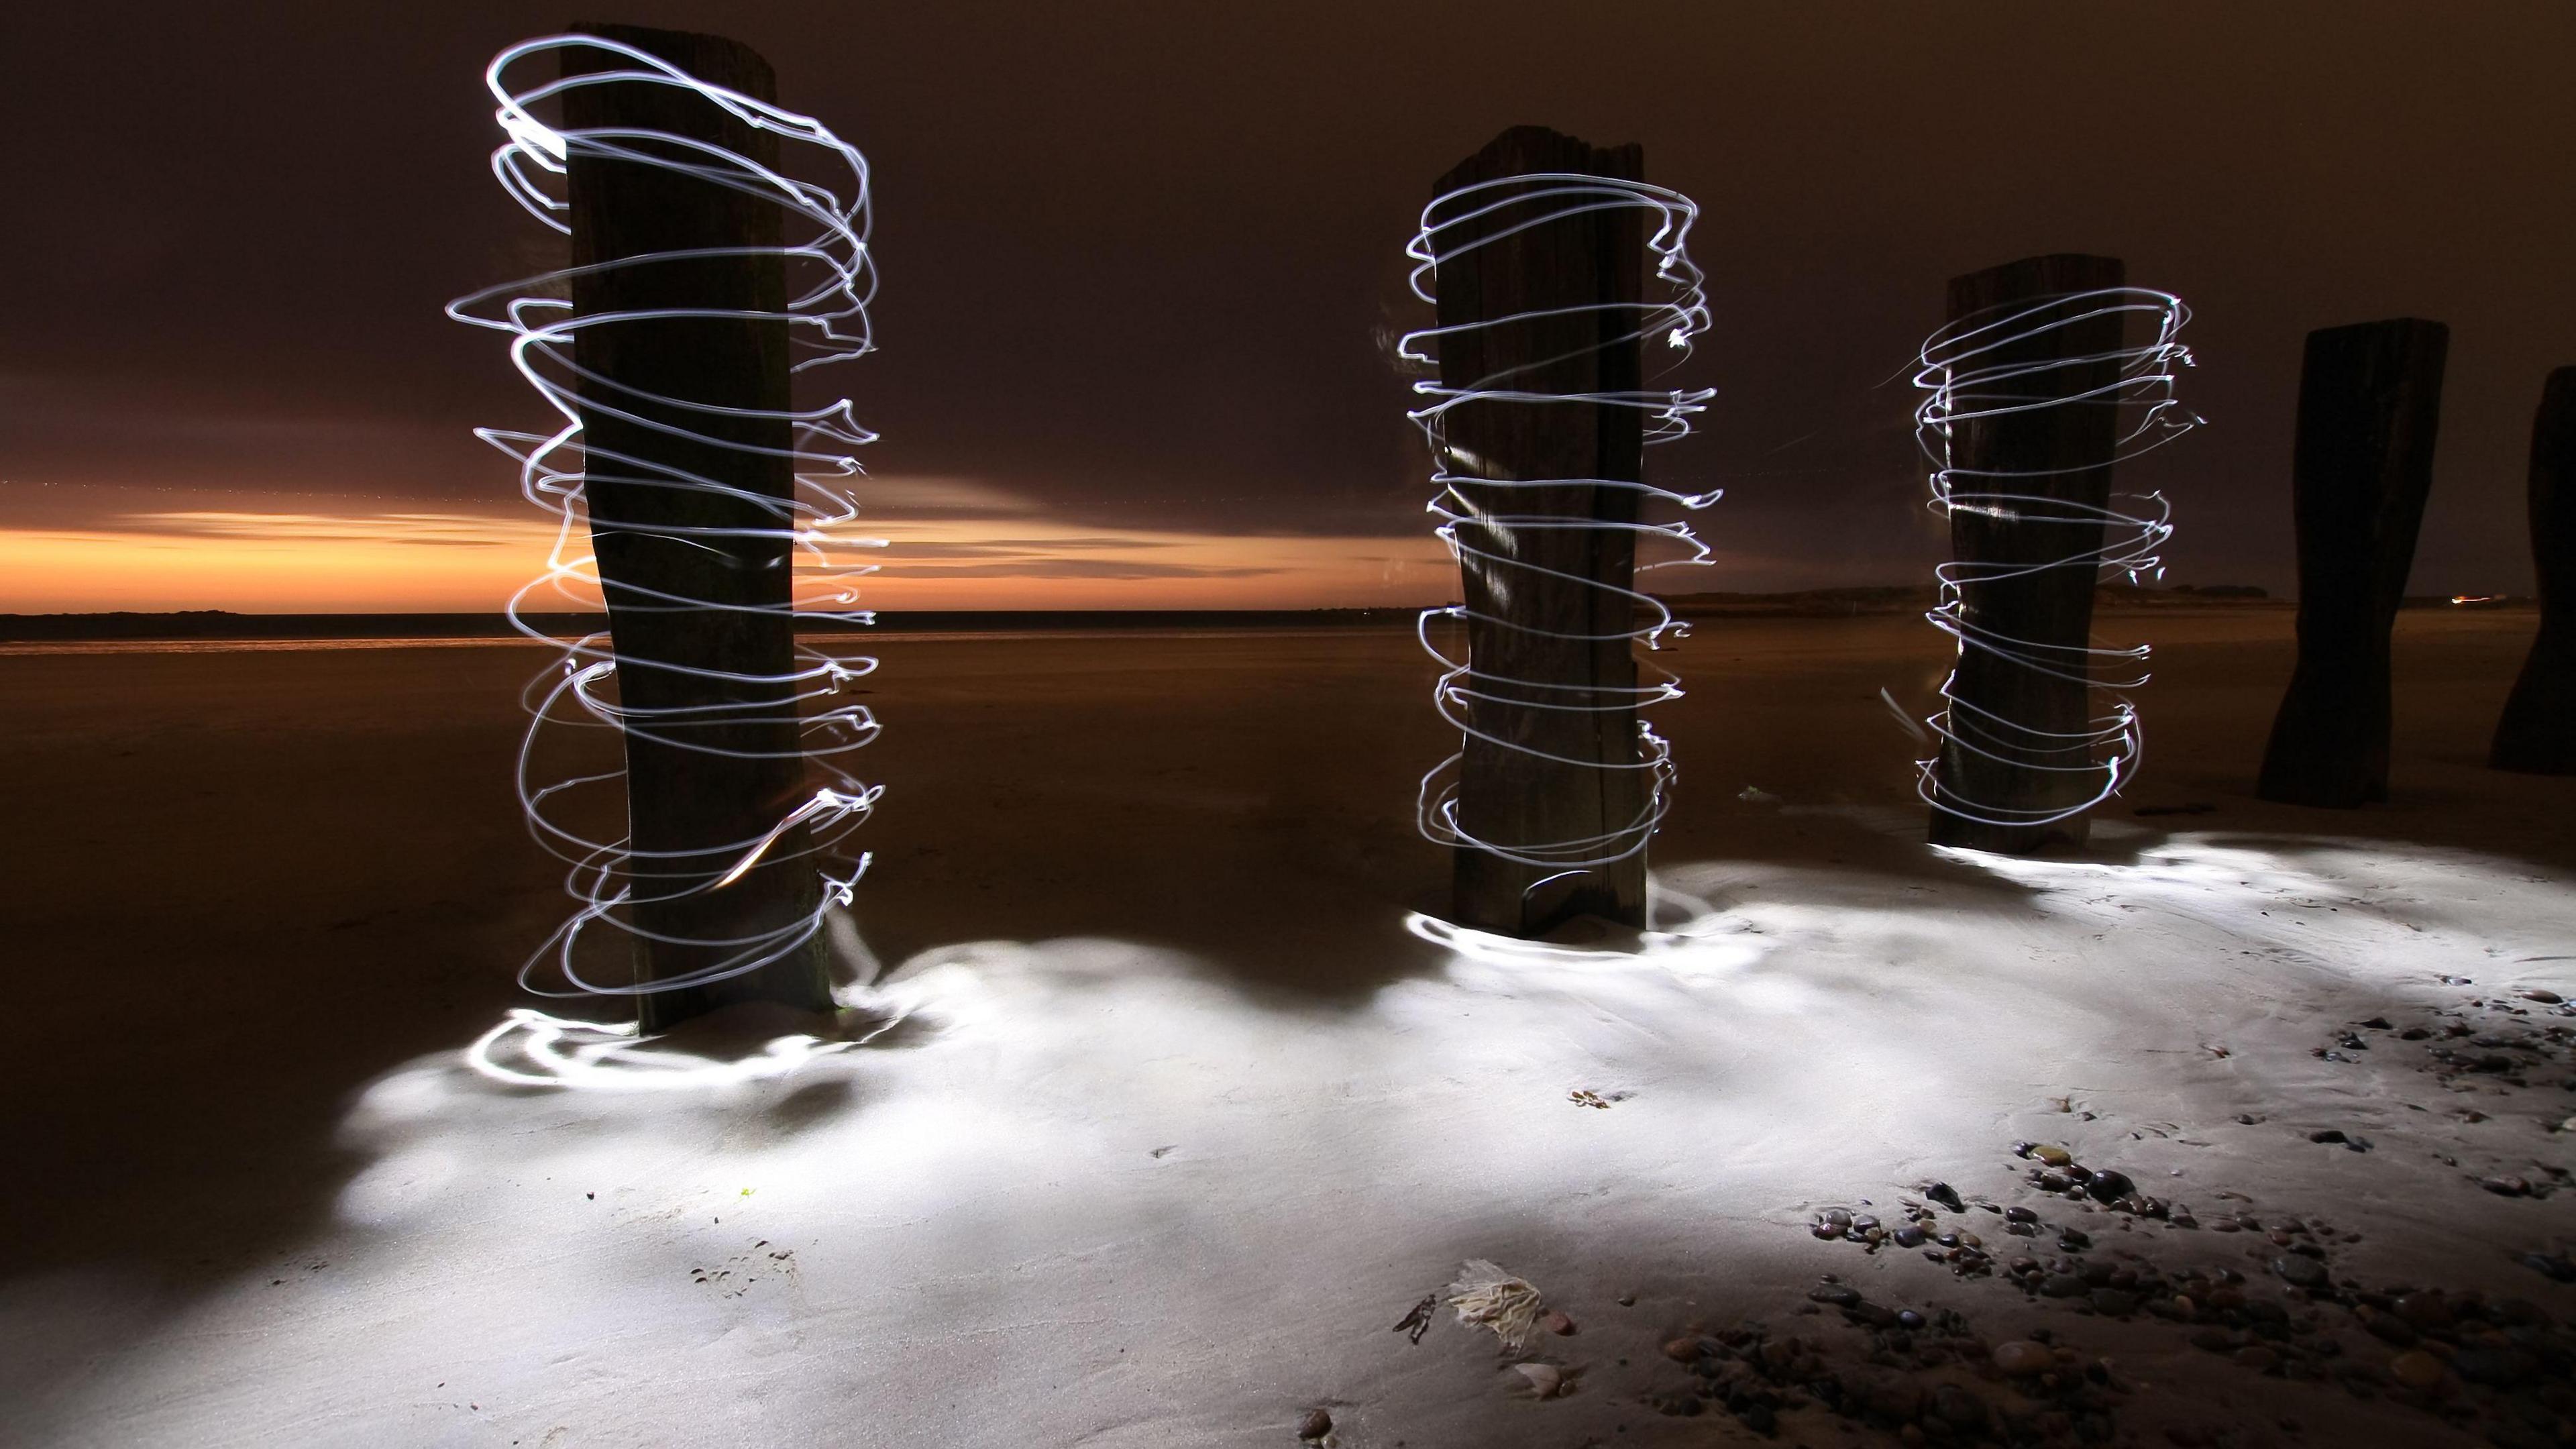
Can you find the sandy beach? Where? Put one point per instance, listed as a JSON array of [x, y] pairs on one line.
[[1173, 1114]]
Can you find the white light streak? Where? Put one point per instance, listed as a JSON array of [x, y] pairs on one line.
[[1959, 370], [832, 279], [1514, 204]]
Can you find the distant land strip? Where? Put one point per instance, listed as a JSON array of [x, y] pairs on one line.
[[1808, 603]]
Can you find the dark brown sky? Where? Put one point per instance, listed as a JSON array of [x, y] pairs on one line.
[[1137, 257]]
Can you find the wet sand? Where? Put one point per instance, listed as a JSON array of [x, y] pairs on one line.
[[1150, 886]]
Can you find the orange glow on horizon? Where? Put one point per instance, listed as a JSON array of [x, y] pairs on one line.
[[277, 562]]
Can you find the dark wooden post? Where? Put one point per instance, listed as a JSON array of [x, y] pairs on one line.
[[2537, 734], [1506, 796], [650, 536], [2023, 718], [2370, 400]]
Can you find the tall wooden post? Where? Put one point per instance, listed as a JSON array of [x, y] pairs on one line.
[[2370, 401], [1522, 615], [2021, 720], [738, 769], [2537, 734]]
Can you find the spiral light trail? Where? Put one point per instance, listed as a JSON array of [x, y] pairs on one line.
[[832, 279], [1965, 372], [1509, 205]]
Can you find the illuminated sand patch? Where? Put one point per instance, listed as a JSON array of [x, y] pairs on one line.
[[1087, 1195]]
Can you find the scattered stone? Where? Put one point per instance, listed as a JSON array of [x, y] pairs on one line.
[[1836, 1295], [2300, 1272], [2021, 1358], [1556, 1321], [2112, 1302], [2258, 1358], [1946, 1195], [2507, 1186], [2545, 998], [2556, 1269], [2416, 1369], [2328, 1135], [1315, 1425], [2054, 1156]]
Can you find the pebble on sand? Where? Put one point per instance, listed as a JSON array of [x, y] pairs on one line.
[[2416, 1369], [1315, 1425], [2022, 1358]]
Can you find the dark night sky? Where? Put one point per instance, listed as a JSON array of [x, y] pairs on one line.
[[1138, 257]]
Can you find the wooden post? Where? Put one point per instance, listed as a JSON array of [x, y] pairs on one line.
[[2370, 400], [2537, 734], [2059, 453], [692, 802], [1504, 795]]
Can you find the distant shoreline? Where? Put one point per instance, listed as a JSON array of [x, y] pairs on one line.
[[220, 624]]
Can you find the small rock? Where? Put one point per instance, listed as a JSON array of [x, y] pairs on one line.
[[2021, 1358], [2425, 1311], [1557, 1322], [2557, 1269], [1627, 1300], [2110, 1186], [2328, 1135], [1837, 1295], [2545, 998], [2052, 1155], [2496, 1368], [1683, 1350], [2507, 1186], [1315, 1425], [1946, 1195], [2063, 1285], [2113, 1303], [2258, 1358], [2300, 1272], [1907, 1318], [1546, 1380], [2416, 1369], [1909, 1236]]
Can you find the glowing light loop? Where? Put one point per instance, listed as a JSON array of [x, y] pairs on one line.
[[1510, 205], [1964, 372], [832, 280]]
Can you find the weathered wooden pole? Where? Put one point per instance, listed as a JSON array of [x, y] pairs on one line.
[[2537, 733], [2370, 401], [1549, 633], [699, 669], [2018, 747]]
